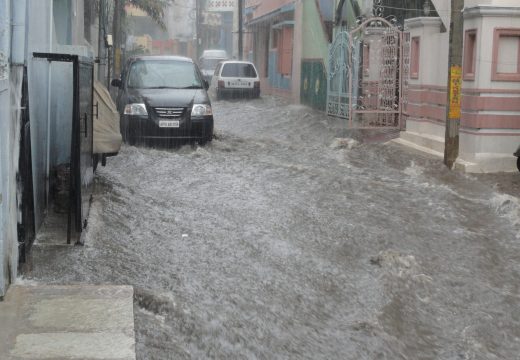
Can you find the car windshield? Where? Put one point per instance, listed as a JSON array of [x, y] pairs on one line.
[[150, 74], [209, 64], [238, 70]]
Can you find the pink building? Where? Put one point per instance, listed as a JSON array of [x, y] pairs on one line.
[[271, 44], [490, 113]]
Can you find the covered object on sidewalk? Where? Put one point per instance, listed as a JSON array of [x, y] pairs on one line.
[[107, 134]]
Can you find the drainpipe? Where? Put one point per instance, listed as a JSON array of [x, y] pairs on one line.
[[101, 42], [49, 98], [18, 32]]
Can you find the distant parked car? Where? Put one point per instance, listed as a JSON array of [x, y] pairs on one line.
[[236, 78], [163, 98], [209, 61]]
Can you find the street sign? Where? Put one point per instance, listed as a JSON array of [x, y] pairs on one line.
[[455, 92], [220, 5]]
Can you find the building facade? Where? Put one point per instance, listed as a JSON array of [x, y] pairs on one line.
[[490, 110], [289, 42], [36, 112], [275, 44]]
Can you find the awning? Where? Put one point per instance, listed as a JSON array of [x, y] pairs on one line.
[[287, 23], [269, 16]]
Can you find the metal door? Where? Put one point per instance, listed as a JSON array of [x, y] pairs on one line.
[[86, 86], [371, 58], [81, 167]]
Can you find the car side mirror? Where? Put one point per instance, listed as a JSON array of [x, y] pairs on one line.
[[206, 84], [116, 83]]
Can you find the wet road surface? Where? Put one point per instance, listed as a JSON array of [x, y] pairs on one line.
[[277, 241]]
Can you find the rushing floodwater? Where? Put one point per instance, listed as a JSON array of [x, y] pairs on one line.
[[278, 241]]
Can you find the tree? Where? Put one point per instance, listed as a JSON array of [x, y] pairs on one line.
[[154, 9]]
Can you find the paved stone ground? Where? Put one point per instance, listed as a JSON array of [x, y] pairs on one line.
[[67, 322]]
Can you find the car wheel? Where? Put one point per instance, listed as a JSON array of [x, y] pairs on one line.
[[518, 163]]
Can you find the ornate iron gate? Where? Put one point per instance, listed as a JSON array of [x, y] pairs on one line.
[[338, 93], [365, 84]]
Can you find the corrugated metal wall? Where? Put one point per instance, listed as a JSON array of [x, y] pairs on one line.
[[39, 39], [10, 98]]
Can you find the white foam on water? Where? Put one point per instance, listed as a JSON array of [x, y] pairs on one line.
[[508, 207], [414, 170], [344, 143], [22, 281]]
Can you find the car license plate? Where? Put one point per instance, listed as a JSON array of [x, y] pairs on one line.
[[169, 123], [239, 84]]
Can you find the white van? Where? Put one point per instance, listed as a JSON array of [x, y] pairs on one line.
[[209, 60], [235, 78]]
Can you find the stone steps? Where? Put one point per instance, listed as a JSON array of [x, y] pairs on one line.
[[67, 322]]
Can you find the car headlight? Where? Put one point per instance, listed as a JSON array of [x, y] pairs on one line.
[[135, 109], [201, 110]]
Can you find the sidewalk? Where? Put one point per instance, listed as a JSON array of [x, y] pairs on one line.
[[67, 322]]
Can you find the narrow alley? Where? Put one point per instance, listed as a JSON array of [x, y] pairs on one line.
[[289, 237]]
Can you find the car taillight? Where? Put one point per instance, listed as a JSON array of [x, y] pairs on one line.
[[257, 84], [221, 84]]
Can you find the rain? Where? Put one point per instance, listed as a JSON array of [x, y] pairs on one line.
[[291, 237], [262, 206]]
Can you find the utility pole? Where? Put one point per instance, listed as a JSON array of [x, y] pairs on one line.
[[451, 143], [101, 41], [116, 33], [198, 6], [240, 29]]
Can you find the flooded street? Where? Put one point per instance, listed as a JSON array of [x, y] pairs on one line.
[[277, 241]]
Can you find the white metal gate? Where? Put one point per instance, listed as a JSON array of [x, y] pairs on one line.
[[366, 73]]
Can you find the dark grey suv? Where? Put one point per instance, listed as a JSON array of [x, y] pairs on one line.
[[162, 99]]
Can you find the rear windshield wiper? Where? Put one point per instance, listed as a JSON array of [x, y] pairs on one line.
[[193, 87], [162, 87]]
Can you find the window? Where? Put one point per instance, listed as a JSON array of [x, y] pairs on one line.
[[414, 57], [285, 49], [238, 70], [506, 55], [163, 74], [470, 49]]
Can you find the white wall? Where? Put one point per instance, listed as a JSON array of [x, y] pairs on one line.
[[433, 54], [484, 53], [443, 8], [469, 3], [180, 21], [487, 151]]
